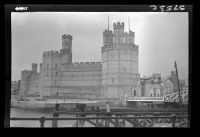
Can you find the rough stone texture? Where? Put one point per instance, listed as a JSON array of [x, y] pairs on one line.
[[29, 81], [116, 76], [119, 64], [59, 76]]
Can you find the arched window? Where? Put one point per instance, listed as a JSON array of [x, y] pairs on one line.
[[56, 73], [47, 66], [56, 66]]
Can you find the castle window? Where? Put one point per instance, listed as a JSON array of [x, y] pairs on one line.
[[47, 66], [56, 66]]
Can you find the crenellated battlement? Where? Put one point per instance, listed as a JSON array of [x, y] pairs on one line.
[[26, 71], [108, 32], [85, 63], [25, 74], [66, 36], [65, 51], [126, 34], [82, 66], [51, 53], [58, 52], [131, 33], [108, 37], [118, 25]]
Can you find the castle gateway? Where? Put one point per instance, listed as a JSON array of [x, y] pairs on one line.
[[117, 75]]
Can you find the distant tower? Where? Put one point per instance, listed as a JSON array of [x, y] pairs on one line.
[[41, 81], [34, 67], [120, 75], [66, 42], [66, 51], [24, 84]]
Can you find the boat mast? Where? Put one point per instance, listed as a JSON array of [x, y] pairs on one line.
[[180, 101]]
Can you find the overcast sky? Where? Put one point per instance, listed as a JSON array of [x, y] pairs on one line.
[[162, 38]]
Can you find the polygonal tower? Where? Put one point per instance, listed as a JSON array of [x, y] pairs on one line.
[[119, 63]]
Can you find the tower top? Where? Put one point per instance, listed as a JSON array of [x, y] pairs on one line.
[[66, 42], [66, 36], [118, 25]]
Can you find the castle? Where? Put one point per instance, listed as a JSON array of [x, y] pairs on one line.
[[115, 76]]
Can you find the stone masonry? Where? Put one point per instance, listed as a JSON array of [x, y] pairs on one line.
[[114, 77]]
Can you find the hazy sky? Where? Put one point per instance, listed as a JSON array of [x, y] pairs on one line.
[[162, 38]]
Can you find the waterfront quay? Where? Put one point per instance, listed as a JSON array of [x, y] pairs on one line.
[[95, 116]]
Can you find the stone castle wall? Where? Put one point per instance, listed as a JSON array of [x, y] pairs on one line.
[[71, 78], [29, 82], [114, 77], [81, 78]]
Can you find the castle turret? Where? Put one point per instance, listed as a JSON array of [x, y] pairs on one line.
[[118, 32], [66, 41], [130, 38], [107, 37], [66, 51], [24, 85], [34, 67]]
